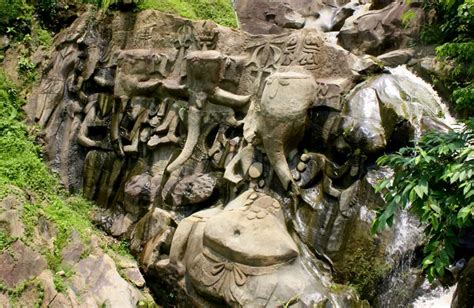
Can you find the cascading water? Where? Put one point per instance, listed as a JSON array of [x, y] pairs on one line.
[[406, 285], [404, 278], [438, 297]]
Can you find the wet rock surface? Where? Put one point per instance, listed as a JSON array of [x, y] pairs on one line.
[[238, 165]]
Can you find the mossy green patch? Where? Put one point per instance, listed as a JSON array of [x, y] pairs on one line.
[[5, 240], [220, 11], [363, 268]]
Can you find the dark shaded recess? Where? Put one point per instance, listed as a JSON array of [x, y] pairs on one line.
[[380, 4], [270, 17], [54, 15], [402, 136], [313, 138], [466, 244]]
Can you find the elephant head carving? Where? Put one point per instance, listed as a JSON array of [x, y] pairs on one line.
[[203, 76], [278, 120]]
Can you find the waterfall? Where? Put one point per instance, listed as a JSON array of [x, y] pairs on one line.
[[438, 297]]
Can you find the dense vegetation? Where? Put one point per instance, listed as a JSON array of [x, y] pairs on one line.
[[18, 16], [435, 177], [453, 31], [24, 175], [220, 11]]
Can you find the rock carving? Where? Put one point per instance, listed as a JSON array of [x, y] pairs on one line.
[[239, 165]]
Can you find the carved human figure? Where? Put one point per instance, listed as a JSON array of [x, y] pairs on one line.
[[52, 87], [133, 78], [169, 109], [97, 116]]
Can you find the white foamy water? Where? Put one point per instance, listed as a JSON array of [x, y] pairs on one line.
[[439, 297], [408, 234]]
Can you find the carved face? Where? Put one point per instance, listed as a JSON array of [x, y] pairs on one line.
[[203, 69]]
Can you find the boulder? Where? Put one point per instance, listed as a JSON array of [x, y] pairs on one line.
[[20, 263], [96, 277], [463, 296], [397, 57], [193, 189], [376, 32]]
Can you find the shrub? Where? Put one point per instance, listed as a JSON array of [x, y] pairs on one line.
[[16, 17], [435, 180], [453, 31]]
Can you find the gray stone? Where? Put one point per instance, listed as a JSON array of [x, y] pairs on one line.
[[4, 42], [376, 32], [20, 263], [73, 251], [193, 189], [463, 296], [11, 221], [5, 301], [396, 57], [134, 276], [97, 277]]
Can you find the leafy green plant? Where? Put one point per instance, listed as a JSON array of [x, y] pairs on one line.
[[407, 18], [5, 240], [26, 69], [452, 30], [15, 17], [435, 181]]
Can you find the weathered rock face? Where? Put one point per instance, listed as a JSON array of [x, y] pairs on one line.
[[377, 31], [463, 296], [94, 278], [278, 16], [236, 163]]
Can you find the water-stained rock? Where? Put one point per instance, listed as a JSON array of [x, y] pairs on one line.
[[235, 163], [377, 31]]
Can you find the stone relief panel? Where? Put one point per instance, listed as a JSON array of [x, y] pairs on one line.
[[236, 164]]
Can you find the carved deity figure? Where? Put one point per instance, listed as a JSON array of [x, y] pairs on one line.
[[278, 121], [202, 86], [242, 254]]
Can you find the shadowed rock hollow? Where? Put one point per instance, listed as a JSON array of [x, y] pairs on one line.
[[240, 166]]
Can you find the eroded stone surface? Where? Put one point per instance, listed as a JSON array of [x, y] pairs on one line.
[[237, 164], [97, 278], [20, 263]]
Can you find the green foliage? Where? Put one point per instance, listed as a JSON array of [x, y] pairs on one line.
[[363, 269], [220, 11], [435, 180], [17, 291], [21, 166], [407, 18], [19, 161], [120, 247], [42, 37], [16, 17], [103, 4], [26, 69], [46, 9], [5, 240], [453, 31]]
